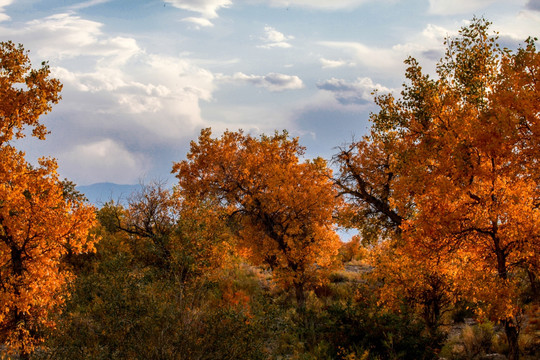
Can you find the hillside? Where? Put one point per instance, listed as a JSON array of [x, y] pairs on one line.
[[100, 193]]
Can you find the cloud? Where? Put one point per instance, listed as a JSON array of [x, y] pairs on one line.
[[115, 89], [445, 7], [318, 4], [3, 4], [271, 81], [429, 43], [157, 94], [533, 5], [427, 46], [365, 55], [118, 76], [515, 29], [88, 4], [330, 64], [358, 92], [104, 160], [273, 38], [208, 9], [62, 36], [198, 21]]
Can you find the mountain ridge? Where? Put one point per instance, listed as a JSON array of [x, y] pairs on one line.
[[100, 193]]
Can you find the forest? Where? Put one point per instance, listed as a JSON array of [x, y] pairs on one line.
[[241, 258]]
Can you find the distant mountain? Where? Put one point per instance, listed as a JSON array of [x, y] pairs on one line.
[[100, 193]]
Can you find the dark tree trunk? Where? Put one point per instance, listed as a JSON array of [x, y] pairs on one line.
[[512, 336], [535, 285], [300, 295], [19, 317], [510, 328], [432, 316]]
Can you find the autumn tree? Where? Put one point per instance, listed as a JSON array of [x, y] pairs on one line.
[[176, 237], [366, 179], [369, 173], [282, 207], [39, 221], [480, 190], [466, 166]]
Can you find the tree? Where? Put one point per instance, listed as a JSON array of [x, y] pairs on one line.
[[467, 167], [39, 220], [366, 180], [283, 208], [369, 179], [178, 238]]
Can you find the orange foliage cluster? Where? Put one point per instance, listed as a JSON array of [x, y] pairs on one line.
[[450, 175], [39, 221], [283, 207]]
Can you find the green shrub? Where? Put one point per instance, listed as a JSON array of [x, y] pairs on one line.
[[474, 342]]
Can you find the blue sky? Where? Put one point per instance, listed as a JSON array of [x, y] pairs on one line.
[[142, 77]]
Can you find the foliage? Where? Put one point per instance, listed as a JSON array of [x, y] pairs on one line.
[[26, 93], [283, 207], [425, 286], [474, 342], [353, 327], [452, 169], [352, 250], [40, 220], [125, 307], [164, 231]]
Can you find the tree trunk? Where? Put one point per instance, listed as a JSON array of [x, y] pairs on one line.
[[512, 336], [432, 316], [535, 284], [17, 268], [300, 295], [510, 328]]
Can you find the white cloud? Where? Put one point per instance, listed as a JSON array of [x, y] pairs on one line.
[[273, 38], [330, 64], [427, 46], [445, 7], [158, 93], [519, 27], [365, 55], [208, 9], [64, 36], [318, 4], [103, 160], [271, 81], [118, 76], [3, 4], [198, 21], [114, 88], [88, 4], [358, 92]]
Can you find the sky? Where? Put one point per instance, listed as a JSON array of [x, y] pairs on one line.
[[142, 77]]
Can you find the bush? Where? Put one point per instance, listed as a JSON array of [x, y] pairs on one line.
[[473, 342]]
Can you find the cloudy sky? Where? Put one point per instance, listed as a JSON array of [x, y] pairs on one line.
[[142, 77]]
